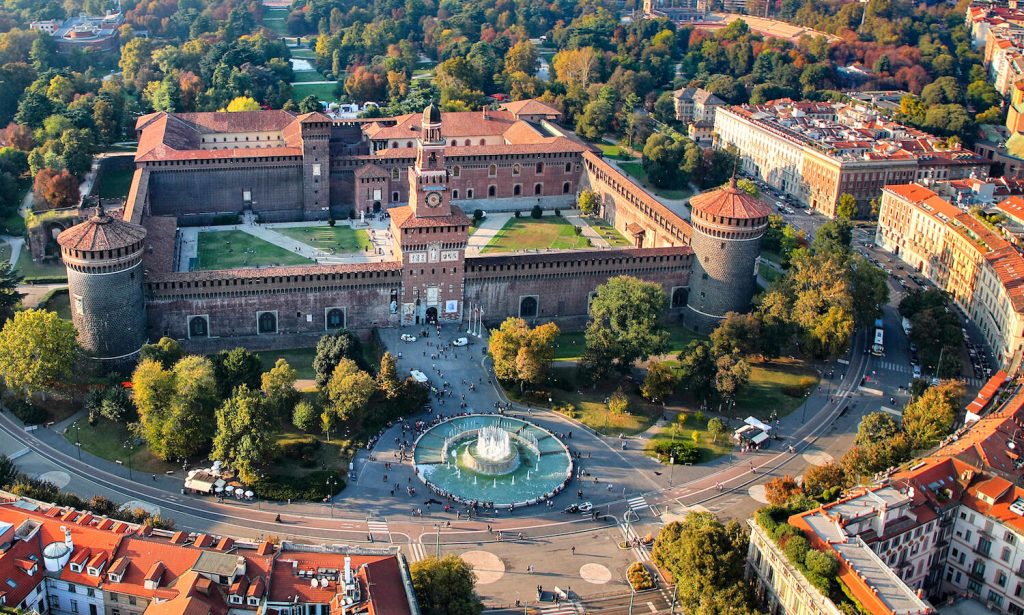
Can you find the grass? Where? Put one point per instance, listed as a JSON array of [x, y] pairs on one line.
[[609, 233], [636, 170], [570, 345], [302, 52], [307, 75], [58, 301], [612, 150], [300, 359], [233, 249], [341, 238], [274, 20], [525, 233], [683, 428], [12, 223], [590, 407], [769, 273], [5, 251], [330, 454], [323, 91], [52, 268], [779, 385], [106, 439], [115, 184]]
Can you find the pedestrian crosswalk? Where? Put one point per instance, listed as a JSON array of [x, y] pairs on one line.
[[417, 551], [564, 608], [892, 366], [377, 527], [638, 503]]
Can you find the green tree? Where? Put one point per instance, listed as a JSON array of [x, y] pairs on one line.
[[931, 417], [847, 207], [869, 289], [589, 203], [715, 428], [618, 402], [875, 427], [37, 351], [9, 295], [697, 369], [522, 354], [387, 376], [732, 374], [659, 382], [821, 481], [176, 406], [662, 158], [278, 386], [244, 439], [305, 416], [737, 333], [309, 104], [625, 325], [330, 350], [445, 586], [236, 367], [166, 351], [349, 390]]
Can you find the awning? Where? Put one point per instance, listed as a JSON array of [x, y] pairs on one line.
[[759, 438], [635, 228], [753, 422]]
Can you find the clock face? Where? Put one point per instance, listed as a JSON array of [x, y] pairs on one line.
[[433, 199]]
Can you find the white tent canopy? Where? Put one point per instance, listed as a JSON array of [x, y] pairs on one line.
[[754, 422]]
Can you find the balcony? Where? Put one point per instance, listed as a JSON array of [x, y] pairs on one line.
[[977, 575]]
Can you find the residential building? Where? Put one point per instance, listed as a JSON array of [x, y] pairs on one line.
[[695, 107], [817, 151], [972, 261], [66, 562], [84, 32]]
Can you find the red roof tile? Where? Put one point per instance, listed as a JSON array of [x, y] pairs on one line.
[[730, 202]]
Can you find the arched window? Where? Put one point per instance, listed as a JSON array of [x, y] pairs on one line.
[[408, 144], [266, 322], [517, 190], [466, 143], [395, 174], [483, 142], [198, 326], [679, 297], [568, 167], [491, 190], [565, 188], [492, 171], [335, 318], [527, 306], [394, 197], [516, 169], [469, 193], [455, 194], [538, 189], [454, 142], [540, 168], [456, 171]]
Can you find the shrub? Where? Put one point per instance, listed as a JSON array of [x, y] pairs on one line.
[[683, 452], [536, 212], [305, 451], [310, 487], [478, 215], [639, 577], [796, 548], [26, 412], [305, 416], [700, 417], [518, 213], [558, 213], [578, 230], [331, 221]]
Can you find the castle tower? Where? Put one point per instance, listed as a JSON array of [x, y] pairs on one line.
[[315, 129], [428, 178], [727, 225], [103, 256]]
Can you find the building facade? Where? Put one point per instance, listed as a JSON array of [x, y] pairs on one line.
[[423, 171]]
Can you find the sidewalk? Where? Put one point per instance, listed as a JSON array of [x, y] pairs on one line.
[[588, 231], [485, 232]]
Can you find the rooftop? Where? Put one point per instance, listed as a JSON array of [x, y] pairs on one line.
[[101, 232], [730, 201]]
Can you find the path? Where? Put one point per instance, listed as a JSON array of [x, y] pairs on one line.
[[588, 231], [487, 230], [314, 82], [678, 206]]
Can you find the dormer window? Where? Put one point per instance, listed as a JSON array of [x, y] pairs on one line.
[[76, 568], [254, 601], [236, 600], [114, 578]]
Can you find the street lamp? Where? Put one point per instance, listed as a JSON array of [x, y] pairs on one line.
[[437, 541], [78, 438], [672, 470], [331, 483], [130, 447]]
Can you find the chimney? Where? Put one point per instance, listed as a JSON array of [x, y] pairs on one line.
[[484, 109], [67, 537], [348, 570]]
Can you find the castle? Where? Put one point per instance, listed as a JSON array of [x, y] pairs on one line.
[[128, 285]]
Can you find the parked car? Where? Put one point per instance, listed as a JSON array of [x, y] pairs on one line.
[[408, 338], [462, 341]]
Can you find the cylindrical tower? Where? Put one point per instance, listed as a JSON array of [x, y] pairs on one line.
[[103, 256], [727, 225]]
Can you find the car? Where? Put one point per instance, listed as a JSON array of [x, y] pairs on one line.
[[586, 507], [917, 371], [405, 337], [462, 341], [419, 376]]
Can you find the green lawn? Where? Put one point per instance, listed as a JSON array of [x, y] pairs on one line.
[[300, 359], [683, 428], [233, 249], [5, 251], [307, 75], [590, 407], [274, 20], [106, 439], [636, 170], [609, 233], [60, 302], [12, 224], [779, 385], [769, 273], [526, 233], [612, 150], [570, 345], [302, 52], [52, 268], [341, 238], [115, 184], [323, 91]]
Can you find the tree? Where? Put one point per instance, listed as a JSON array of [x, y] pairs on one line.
[[57, 189], [349, 389], [278, 386], [305, 416], [736, 333], [236, 367], [522, 354], [779, 489], [618, 402], [117, 406], [576, 67], [521, 57], [243, 441], [365, 84], [706, 560], [330, 350], [625, 325], [166, 351], [243, 103], [662, 158], [930, 418], [176, 406], [697, 369], [824, 482], [659, 382], [37, 351], [715, 428], [869, 288], [589, 203], [387, 376], [732, 374], [310, 104], [445, 586], [847, 207], [875, 427], [9, 295]]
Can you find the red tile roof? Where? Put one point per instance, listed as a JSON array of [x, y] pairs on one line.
[[101, 232], [730, 202], [402, 217]]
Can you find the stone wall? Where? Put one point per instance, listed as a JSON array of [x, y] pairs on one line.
[[108, 310], [724, 278], [197, 195]]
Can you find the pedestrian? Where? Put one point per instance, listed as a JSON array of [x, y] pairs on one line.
[[573, 549]]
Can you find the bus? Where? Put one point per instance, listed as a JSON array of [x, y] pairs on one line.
[[878, 348]]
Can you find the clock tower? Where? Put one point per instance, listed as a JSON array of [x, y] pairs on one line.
[[429, 196]]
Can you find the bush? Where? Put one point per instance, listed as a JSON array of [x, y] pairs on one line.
[[684, 452], [558, 213], [796, 548], [305, 451], [578, 230], [26, 412], [536, 213], [310, 487], [331, 221], [518, 213], [639, 577], [305, 416], [478, 215]]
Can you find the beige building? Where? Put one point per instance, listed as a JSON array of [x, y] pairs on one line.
[[815, 152], [696, 107], [979, 268]]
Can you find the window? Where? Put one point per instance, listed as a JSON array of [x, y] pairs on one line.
[[456, 171], [394, 197], [131, 600], [266, 322], [395, 174], [540, 168], [538, 189], [455, 194], [517, 190], [74, 606], [516, 169], [491, 190], [1001, 579], [565, 188], [335, 318], [1005, 555], [568, 167], [528, 306], [198, 326], [679, 296], [492, 171], [469, 193], [466, 142], [992, 596]]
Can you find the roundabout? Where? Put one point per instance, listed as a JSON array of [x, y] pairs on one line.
[[492, 459]]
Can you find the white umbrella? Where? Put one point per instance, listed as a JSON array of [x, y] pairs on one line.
[[219, 489], [229, 488], [249, 494]]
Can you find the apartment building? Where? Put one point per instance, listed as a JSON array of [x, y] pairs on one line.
[[950, 525], [696, 107], [66, 562], [817, 151], [962, 255]]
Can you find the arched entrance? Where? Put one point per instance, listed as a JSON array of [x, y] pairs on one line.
[[376, 207], [431, 315], [528, 306]]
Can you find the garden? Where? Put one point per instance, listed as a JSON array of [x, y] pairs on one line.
[[333, 239], [546, 233], [234, 249]]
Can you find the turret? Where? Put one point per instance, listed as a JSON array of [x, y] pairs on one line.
[[728, 225], [103, 257]]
